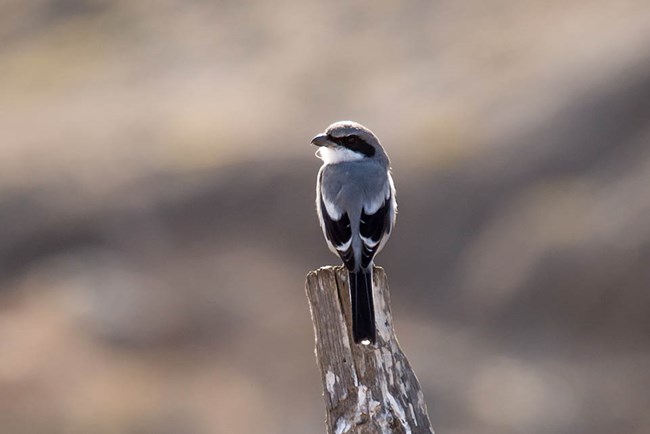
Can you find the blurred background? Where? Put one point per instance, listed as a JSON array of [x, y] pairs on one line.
[[157, 209]]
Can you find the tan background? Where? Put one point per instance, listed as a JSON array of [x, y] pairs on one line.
[[157, 222]]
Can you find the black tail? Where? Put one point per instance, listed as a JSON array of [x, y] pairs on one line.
[[363, 310]]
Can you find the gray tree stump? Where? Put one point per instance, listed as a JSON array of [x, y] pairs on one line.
[[367, 389]]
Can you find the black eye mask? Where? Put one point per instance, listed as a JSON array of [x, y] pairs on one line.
[[354, 143]]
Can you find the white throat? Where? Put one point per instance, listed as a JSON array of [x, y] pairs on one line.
[[337, 155]]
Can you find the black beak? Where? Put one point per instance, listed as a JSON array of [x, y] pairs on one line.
[[321, 140]]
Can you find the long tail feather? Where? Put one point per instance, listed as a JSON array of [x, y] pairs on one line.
[[363, 311]]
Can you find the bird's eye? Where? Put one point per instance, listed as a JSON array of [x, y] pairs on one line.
[[350, 140]]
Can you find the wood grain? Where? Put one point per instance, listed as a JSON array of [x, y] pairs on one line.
[[367, 389]]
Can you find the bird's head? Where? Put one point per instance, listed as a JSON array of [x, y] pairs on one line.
[[347, 141]]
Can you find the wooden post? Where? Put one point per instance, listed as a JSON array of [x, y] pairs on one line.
[[368, 389]]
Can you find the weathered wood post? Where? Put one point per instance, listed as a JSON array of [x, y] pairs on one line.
[[368, 389]]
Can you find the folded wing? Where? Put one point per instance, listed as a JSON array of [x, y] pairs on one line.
[[339, 234], [374, 227]]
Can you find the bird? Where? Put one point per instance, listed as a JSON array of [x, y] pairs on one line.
[[356, 207]]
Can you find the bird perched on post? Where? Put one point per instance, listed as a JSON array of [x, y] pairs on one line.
[[355, 202]]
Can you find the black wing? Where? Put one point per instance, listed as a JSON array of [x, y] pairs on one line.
[[338, 233], [373, 227]]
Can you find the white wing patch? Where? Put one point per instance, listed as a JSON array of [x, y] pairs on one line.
[[369, 242], [331, 209], [376, 203], [343, 247]]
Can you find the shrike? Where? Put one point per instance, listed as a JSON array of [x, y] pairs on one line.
[[355, 201]]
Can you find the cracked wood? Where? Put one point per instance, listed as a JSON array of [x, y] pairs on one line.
[[367, 389]]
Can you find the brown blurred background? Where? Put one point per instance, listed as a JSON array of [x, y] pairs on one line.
[[157, 217]]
